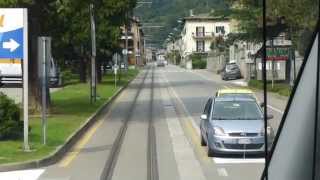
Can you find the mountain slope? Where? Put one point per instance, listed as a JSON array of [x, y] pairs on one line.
[[166, 13]]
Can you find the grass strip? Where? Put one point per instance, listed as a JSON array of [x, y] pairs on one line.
[[279, 88], [70, 109]]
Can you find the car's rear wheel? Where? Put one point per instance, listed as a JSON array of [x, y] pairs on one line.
[[210, 152], [203, 142]]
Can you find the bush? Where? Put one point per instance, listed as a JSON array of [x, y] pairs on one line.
[[198, 62], [10, 125], [68, 77]]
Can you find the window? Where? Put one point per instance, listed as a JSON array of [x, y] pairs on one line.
[[237, 110], [200, 46], [200, 31], [220, 30], [208, 107]]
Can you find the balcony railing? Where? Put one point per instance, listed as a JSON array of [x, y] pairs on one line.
[[203, 35]]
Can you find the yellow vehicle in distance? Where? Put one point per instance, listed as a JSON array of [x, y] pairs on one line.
[[231, 92]]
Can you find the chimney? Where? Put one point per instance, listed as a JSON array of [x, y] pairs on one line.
[[191, 13]]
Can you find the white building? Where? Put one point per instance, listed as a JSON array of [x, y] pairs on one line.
[[199, 32]]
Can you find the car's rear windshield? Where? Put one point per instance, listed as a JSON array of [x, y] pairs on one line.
[[236, 110], [231, 67]]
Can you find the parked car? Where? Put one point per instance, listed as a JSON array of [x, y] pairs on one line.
[[160, 63], [233, 125], [231, 71], [11, 72]]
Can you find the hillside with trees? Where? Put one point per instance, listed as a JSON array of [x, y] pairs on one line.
[[167, 12]]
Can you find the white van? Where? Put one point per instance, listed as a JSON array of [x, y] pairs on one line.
[[11, 72]]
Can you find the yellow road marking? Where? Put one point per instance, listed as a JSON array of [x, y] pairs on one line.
[[195, 138], [196, 141], [65, 162], [70, 156]]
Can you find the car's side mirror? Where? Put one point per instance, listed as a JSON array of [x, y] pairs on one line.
[[203, 117], [270, 116], [262, 104]]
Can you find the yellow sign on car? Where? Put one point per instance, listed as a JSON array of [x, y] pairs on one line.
[[235, 92]]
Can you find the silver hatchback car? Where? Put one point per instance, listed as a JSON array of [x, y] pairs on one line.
[[233, 125]]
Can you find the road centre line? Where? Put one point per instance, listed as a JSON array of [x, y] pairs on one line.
[[183, 152]]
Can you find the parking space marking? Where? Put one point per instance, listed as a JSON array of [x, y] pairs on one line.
[[275, 109], [222, 172], [238, 160]]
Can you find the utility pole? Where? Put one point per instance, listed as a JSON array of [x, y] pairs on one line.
[[126, 58], [93, 83], [174, 52]]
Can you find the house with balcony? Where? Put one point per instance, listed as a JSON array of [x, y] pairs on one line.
[[200, 31], [135, 41]]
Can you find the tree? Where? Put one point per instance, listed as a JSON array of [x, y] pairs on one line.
[[67, 22]]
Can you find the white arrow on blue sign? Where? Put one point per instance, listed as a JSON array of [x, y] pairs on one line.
[[11, 33]]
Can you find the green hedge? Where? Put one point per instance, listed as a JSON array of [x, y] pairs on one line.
[[10, 125], [198, 62]]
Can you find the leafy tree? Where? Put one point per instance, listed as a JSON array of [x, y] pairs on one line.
[[68, 23]]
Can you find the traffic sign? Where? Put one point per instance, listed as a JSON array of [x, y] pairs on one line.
[[14, 45], [11, 33]]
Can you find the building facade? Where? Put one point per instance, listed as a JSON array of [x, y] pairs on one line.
[[200, 31], [135, 41]]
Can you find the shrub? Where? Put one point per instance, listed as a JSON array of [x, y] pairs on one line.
[[10, 125], [68, 77], [198, 61]]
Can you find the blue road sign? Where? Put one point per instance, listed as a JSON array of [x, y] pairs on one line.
[[11, 33]]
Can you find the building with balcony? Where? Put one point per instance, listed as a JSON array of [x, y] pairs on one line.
[[199, 32], [135, 42]]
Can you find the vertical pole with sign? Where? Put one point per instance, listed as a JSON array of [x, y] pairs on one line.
[[93, 57], [14, 45], [25, 81]]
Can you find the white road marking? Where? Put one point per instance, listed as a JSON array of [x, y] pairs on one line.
[[222, 172], [21, 175], [238, 161], [275, 109]]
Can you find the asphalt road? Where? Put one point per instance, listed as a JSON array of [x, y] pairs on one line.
[[151, 132]]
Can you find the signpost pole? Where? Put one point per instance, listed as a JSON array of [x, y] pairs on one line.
[[25, 82], [93, 56], [44, 90]]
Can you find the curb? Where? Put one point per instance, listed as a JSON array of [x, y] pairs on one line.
[[69, 143]]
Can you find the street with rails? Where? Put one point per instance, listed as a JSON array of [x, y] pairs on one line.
[[151, 131]]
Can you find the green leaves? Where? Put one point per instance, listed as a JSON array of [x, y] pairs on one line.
[[68, 22]]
